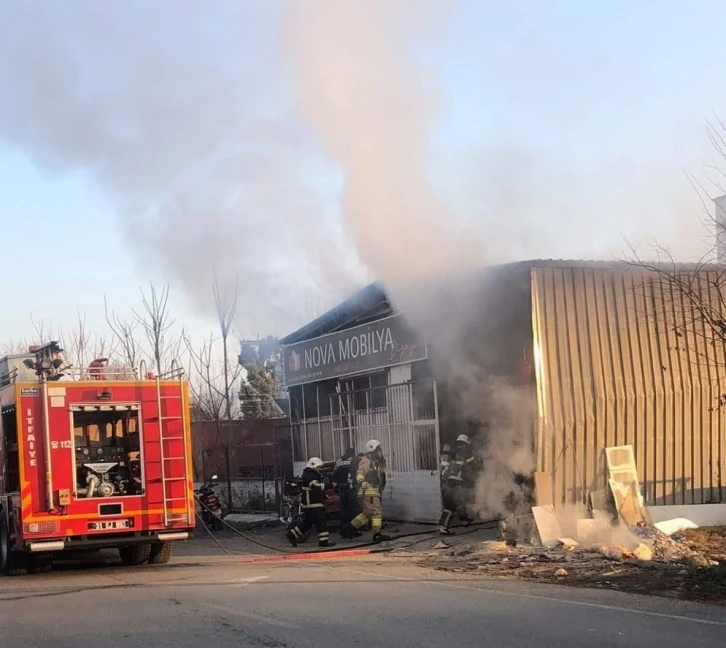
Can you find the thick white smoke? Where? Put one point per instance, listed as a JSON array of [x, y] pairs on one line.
[[178, 113], [186, 115], [374, 108], [369, 99]]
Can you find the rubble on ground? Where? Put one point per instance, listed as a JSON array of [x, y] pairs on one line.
[[639, 559], [644, 543], [648, 543], [604, 540], [666, 549]]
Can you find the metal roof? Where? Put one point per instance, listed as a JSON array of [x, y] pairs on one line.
[[372, 302], [369, 303]]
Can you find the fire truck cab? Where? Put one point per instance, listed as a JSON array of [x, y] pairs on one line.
[[91, 458]]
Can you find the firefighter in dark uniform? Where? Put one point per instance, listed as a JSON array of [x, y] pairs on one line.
[[346, 492], [458, 477], [446, 498], [313, 506]]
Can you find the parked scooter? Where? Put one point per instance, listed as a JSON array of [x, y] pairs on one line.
[[211, 506]]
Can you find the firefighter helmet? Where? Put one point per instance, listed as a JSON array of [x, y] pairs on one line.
[[315, 463], [372, 445], [463, 438]]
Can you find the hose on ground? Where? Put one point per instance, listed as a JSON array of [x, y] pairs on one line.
[[485, 524], [219, 544]]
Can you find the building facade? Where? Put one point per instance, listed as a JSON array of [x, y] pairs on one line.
[[368, 381], [605, 355]]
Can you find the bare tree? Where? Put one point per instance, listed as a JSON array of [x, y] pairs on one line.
[[209, 385], [226, 307], [125, 333], [207, 396], [688, 300], [215, 377], [157, 326], [82, 346], [76, 343], [14, 347], [44, 331]]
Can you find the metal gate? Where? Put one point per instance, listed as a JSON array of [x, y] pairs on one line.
[[404, 418]]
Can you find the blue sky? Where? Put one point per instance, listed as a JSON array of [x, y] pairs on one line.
[[562, 126]]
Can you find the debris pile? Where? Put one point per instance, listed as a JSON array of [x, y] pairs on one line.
[[609, 543], [666, 549], [656, 565], [615, 521]]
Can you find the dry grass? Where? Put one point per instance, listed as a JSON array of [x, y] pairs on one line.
[[710, 541]]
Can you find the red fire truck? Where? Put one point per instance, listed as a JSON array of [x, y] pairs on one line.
[[90, 459]]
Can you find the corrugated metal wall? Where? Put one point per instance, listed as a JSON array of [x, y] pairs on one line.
[[621, 359]]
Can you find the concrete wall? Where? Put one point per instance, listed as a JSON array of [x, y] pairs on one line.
[[700, 514], [247, 495]]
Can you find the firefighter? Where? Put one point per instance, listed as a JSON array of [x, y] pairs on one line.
[[357, 494], [346, 492], [446, 499], [371, 478], [444, 465], [469, 474], [448, 493], [458, 483], [313, 506]]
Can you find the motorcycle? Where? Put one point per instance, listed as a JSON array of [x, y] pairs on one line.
[[211, 506]]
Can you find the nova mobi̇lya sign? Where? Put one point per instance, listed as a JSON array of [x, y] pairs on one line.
[[385, 343]]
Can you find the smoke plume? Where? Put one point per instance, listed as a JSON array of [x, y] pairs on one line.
[[361, 88], [183, 116], [177, 113], [286, 144]]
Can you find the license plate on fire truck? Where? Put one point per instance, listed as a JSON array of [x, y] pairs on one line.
[[110, 525]]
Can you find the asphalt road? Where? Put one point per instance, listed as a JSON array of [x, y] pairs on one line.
[[376, 603]]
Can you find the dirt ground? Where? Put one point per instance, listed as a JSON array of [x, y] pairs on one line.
[[479, 551], [590, 568]]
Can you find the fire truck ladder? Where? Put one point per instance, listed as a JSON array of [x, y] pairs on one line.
[[171, 505]]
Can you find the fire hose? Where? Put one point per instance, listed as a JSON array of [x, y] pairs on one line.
[[486, 524]]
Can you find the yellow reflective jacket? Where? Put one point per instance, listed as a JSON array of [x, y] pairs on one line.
[[372, 474]]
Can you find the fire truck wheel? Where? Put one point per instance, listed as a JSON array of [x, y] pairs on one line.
[[41, 563], [160, 553], [136, 554], [12, 562]]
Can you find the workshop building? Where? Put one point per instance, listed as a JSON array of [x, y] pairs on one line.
[[606, 354]]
